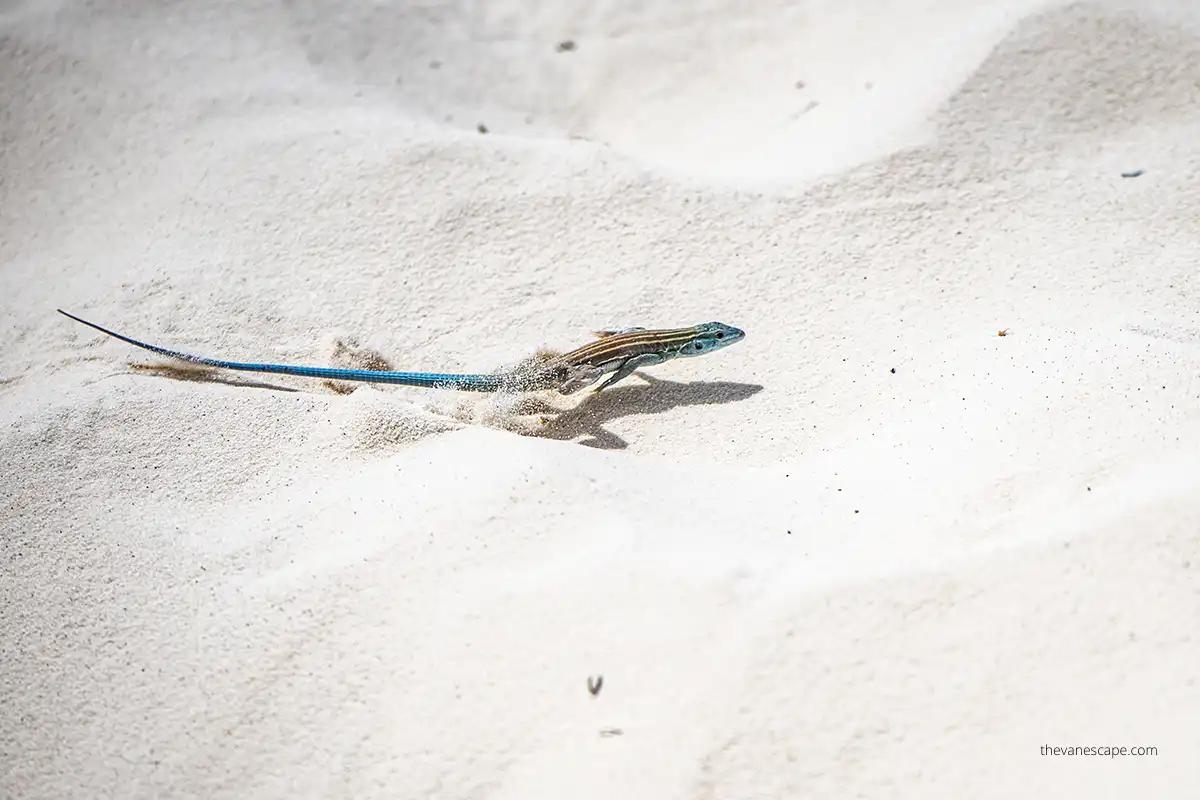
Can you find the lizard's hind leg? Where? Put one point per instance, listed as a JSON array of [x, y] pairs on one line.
[[579, 377]]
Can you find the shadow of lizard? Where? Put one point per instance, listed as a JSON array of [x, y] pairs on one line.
[[206, 375], [655, 397], [587, 419]]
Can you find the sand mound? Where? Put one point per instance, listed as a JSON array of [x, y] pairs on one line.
[[1075, 73]]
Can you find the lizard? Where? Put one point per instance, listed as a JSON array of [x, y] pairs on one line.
[[619, 352]]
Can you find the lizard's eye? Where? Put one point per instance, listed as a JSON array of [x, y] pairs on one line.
[[720, 336], [699, 345]]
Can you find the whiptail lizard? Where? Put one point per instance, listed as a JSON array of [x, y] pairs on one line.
[[619, 352]]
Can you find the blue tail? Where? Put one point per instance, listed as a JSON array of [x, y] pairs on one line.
[[431, 380]]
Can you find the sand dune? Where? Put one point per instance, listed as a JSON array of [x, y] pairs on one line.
[[874, 550]]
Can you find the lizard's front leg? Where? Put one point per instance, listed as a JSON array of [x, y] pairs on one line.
[[629, 365]]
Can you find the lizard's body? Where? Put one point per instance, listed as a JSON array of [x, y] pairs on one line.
[[617, 352]]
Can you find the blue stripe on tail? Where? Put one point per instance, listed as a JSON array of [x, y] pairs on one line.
[[431, 380]]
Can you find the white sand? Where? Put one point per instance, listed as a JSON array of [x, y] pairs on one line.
[[799, 573]]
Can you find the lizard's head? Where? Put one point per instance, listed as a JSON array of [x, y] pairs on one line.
[[712, 336]]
